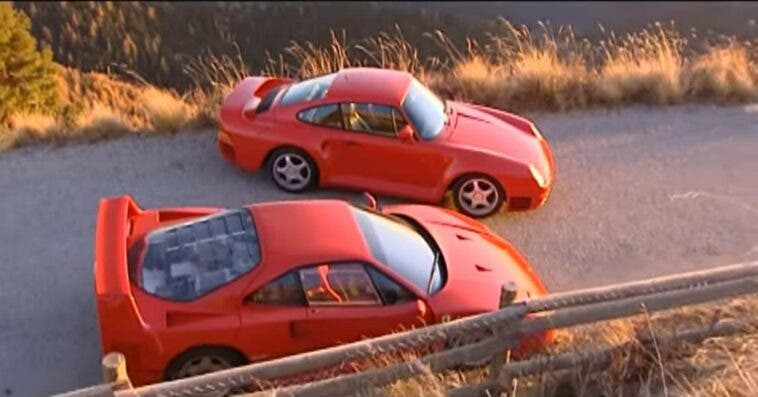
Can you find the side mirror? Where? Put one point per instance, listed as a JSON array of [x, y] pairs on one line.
[[372, 203], [405, 134]]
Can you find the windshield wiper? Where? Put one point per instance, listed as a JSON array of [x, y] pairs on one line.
[[435, 264]]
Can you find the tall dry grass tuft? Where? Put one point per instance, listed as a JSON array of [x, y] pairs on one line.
[[311, 60], [391, 51], [469, 75], [165, 110], [100, 121], [29, 127], [518, 70], [641, 67], [540, 74], [724, 73], [213, 77]]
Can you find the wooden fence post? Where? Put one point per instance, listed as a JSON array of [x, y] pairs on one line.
[[114, 371]]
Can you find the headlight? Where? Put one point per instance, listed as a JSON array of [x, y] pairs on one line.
[[537, 175]]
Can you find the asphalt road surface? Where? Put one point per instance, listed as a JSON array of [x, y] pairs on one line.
[[639, 193]]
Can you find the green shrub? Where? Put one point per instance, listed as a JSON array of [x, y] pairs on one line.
[[27, 75]]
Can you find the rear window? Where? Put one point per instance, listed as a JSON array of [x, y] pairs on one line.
[[186, 261], [307, 90]]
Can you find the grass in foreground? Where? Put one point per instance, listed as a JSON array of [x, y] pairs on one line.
[[516, 69], [719, 366]]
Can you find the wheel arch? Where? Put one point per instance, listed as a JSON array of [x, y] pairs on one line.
[[226, 350], [464, 174], [315, 159]]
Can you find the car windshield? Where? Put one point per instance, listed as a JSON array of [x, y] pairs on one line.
[[186, 261], [307, 90], [425, 110], [404, 247]]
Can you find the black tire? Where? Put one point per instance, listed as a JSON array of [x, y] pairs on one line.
[[467, 209], [225, 357], [297, 156]]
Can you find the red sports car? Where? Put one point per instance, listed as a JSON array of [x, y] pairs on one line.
[[184, 291], [383, 131]]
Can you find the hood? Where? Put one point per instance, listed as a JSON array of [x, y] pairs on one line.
[[481, 130], [477, 262]]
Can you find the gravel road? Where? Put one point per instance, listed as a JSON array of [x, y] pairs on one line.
[[639, 193]]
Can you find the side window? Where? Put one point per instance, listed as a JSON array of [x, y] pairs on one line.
[[391, 291], [285, 290], [340, 284], [371, 118], [326, 115]]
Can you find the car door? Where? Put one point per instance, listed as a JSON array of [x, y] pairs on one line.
[[268, 318], [369, 156], [346, 304]]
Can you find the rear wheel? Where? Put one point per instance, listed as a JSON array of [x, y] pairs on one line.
[[292, 170], [202, 361], [478, 196]]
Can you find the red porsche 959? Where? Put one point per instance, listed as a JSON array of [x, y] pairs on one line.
[[184, 291], [383, 131]]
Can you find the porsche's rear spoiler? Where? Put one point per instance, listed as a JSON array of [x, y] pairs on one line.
[[247, 94]]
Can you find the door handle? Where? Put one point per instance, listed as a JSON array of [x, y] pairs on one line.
[[352, 143]]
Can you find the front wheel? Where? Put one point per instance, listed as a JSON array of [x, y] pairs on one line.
[[292, 170], [478, 196]]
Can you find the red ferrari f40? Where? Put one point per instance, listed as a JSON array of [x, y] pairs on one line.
[[185, 291]]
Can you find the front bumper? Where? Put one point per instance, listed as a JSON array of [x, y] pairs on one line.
[[534, 196]]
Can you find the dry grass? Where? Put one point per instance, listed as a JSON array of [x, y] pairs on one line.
[[164, 110], [98, 106], [724, 73], [516, 69], [641, 67], [213, 77], [719, 366], [549, 69], [27, 128]]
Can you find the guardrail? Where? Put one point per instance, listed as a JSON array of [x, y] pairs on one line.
[[496, 332]]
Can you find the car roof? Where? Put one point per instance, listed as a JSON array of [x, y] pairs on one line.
[[371, 85], [306, 232]]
